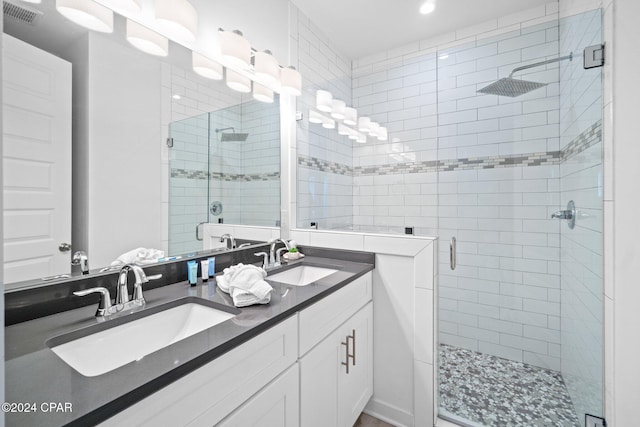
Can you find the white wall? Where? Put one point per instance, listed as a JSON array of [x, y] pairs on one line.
[[623, 206], [123, 194], [1, 261]]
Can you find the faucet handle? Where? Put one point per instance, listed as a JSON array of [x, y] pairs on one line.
[[278, 256], [141, 278], [105, 299], [265, 261]]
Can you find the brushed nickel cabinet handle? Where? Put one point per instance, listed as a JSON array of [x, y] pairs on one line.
[[346, 347], [353, 356]]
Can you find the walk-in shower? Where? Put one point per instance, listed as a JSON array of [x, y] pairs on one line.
[[487, 161]]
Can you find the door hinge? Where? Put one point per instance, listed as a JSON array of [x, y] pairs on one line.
[[169, 142], [593, 56]]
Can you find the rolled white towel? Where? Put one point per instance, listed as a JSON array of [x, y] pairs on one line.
[[140, 256], [246, 285]]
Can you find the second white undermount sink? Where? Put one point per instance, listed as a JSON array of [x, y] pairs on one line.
[[103, 351], [301, 275]]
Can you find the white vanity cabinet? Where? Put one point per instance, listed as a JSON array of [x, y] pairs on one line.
[[209, 394], [293, 374], [276, 405], [336, 370], [336, 377]]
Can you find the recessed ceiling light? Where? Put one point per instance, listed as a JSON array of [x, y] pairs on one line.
[[176, 96], [428, 7]]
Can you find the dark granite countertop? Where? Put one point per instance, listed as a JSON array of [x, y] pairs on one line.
[[35, 375]]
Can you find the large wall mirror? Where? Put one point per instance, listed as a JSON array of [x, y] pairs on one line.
[[152, 149]]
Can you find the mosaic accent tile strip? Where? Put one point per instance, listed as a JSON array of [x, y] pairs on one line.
[[583, 141], [204, 175], [497, 392], [586, 139]]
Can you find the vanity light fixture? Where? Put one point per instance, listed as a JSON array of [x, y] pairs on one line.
[[364, 124], [237, 81], [328, 123], [350, 116], [32, 1], [290, 81], [206, 67], [323, 101], [235, 50], [428, 7], [126, 6], [147, 40], [87, 13], [337, 109], [362, 138], [262, 93], [177, 18], [315, 117], [353, 135], [266, 67]]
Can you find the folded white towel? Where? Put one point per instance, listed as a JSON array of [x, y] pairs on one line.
[[140, 256], [245, 284]]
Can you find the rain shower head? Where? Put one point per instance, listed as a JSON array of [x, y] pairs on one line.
[[231, 136], [508, 86]]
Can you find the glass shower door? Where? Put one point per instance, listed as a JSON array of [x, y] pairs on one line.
[[520, 312]]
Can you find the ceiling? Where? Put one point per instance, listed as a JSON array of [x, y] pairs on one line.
[[363, 27]]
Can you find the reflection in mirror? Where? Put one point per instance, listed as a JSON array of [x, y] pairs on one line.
[[115, 127], [224, 169]]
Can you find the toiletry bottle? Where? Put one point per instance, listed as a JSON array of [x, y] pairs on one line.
[[205, 269], [212, 268], [192, 272]]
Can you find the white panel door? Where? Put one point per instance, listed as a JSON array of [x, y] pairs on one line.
[[36, 161]]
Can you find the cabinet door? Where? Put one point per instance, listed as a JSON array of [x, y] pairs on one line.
[[276, 405], [319, 372], [329, 396], [356, 387]]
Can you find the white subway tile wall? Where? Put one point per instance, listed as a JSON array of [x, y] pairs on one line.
[[243, 175], [582, 248], [323, 196]]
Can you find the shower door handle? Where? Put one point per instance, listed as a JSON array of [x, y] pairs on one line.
[[198, 237], [452, 253]]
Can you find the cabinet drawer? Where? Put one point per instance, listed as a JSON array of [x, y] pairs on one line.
[[209, 394], [276, 405], [319, 320]]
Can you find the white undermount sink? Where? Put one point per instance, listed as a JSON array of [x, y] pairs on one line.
[[301, 275], [106, 350]]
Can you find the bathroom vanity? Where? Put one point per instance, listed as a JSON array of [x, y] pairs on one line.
[[304, 357]]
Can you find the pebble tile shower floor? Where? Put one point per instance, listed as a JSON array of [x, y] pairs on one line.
[[497, 392]]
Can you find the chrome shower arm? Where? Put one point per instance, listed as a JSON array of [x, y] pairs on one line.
[[538, 64]]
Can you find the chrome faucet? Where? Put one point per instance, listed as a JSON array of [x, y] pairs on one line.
[[229, 240], [122, 302], [80, 258], [274, 259]]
